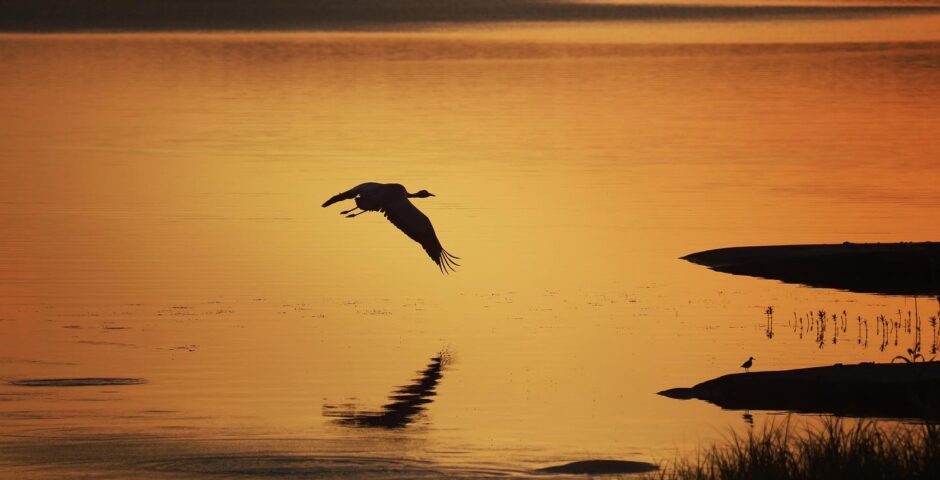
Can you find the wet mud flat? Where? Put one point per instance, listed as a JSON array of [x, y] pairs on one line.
[[889, 390], [77, 382], [600, 467], [884, 268]]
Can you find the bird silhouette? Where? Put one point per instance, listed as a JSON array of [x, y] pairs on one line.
[[747, 365], [392, 200]]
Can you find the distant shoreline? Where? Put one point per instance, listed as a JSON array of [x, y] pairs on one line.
[[50, 16]]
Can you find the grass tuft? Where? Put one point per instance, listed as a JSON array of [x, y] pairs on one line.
[[835, 450]]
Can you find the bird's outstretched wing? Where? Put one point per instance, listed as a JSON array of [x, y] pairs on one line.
[[404, 215], [351, 193]]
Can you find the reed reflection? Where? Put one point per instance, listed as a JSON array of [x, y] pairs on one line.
[[896, 330], [407, 401]]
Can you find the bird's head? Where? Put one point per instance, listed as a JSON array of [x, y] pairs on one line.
[[422, 194]]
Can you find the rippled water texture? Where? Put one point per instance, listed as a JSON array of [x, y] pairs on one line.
[[164, 249]]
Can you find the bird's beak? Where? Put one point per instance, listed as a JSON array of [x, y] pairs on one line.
[[431, 194]]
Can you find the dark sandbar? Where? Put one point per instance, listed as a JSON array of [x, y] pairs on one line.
[[899, 390], [76, 382], [885, 268], [601, 467]]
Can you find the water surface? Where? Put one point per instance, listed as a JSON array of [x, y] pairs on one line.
[[159, 198]]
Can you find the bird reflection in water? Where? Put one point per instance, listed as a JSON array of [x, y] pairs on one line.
[[407, 401], [748, 417]]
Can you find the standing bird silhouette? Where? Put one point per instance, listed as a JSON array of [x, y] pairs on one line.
[[392, 200], [747, 365]]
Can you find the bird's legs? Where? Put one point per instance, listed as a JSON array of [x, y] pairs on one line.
[[351, 215], [348, 211]]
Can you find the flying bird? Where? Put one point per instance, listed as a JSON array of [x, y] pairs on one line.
[[392, 200], [747, 365]]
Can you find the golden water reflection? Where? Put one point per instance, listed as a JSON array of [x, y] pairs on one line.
[[159, 198]]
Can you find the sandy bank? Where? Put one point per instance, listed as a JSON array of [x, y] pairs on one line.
[[886, 268], [898, 390]]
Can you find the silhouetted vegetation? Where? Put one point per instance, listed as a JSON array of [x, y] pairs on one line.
[[913, 355], [834, 450], [909, 325], [769, 313]]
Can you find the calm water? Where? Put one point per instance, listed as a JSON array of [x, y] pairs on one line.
[[159, 202]]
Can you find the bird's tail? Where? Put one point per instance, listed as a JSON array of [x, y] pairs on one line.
[[446, 262]]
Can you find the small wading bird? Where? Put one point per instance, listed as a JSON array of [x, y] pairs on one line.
[[747, 365], [392, 200]]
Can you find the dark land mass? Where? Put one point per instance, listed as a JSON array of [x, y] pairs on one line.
[[601, 467], [885, 268], [887, 390], [128, 15], [76, 382]]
